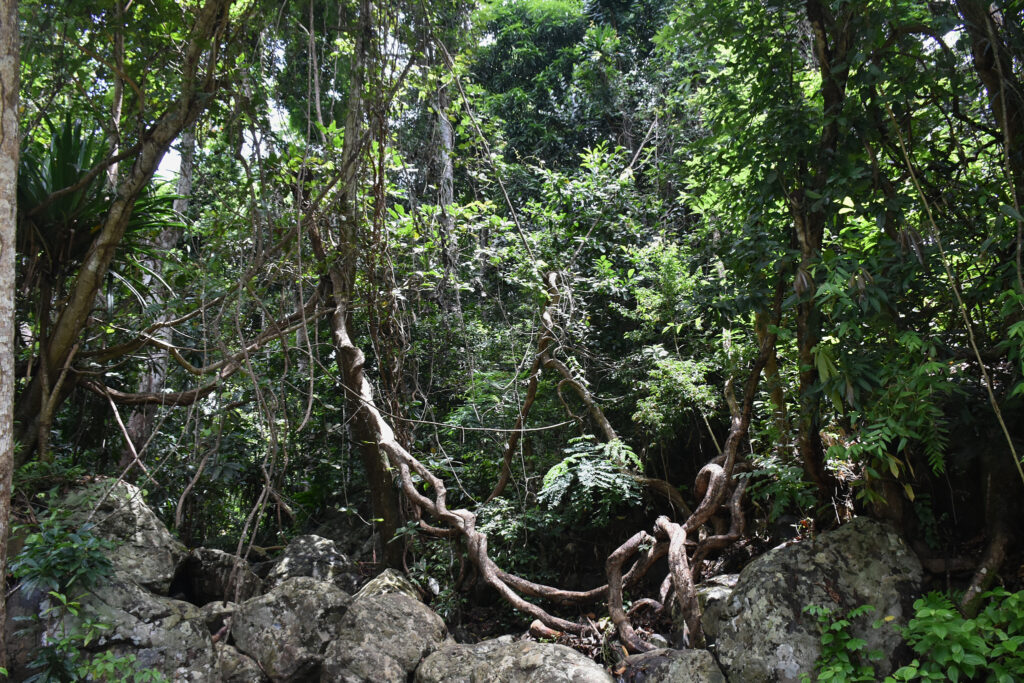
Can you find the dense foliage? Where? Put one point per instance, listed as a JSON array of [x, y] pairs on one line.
[[824, 191]]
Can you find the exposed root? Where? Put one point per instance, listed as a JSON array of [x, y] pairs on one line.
[[991, 561], [613, 568], [382, 450], [682, 579], [666, 490], [736, 528]]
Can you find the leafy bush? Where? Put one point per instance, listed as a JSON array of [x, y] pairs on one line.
[[951, 647], [508, 528], [779, 485], [36, 477], [674, 386], [590, 484], [842, 656], [60, 555]]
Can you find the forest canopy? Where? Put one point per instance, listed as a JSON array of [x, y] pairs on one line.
[[549, 288]]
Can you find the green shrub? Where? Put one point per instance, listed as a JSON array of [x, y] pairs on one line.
[[512, 533], [949, 647], [674, 387], [61, 558], [60, 554], [590, 484], [843, 657]]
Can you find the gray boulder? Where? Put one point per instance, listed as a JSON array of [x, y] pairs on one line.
[[213, 575], [287, 629], [351, 535], [315, 557], [675, 666], [389, 581], [763, 633], [505, 661], [712, 595], [164, 635], [383, 637], [235, 667], [146, 552], [217, 614]]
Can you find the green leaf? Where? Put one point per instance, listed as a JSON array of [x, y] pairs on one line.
[[1011, 212]]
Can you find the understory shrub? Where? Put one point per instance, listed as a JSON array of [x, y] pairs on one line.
[[952, 647], [591, 484], [949, 646]]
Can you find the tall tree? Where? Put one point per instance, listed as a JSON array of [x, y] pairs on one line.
[[341, 252], [997, 60], [9, 146], [197, 82]]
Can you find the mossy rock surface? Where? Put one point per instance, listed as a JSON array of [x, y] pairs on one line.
[[762, 632]]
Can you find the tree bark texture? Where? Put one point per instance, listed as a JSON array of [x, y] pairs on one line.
[[993, 61], [442, 162], [114, 133], [342, 267], [9, 146], [831, 41]]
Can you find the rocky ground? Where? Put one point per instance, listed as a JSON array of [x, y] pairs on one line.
[[309, 615]]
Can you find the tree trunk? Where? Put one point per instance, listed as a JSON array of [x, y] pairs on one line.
[[342, 273], [774, 383], [9, 66], [993, 61], [831, 41], [198, 81], [442, 163], [114, 134]]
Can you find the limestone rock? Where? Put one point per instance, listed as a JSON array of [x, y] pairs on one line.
[[658, 641], [235, 667], [677, 666], [504, 661], [315, 557], [217, 614], [390, 581], [456, 663], [712, 596], [383, 637], [762, 632], [287, 629], [210, 575], [165, 635], [146, 552], [350, 534]]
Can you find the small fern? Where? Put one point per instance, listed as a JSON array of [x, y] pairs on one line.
[[590, 484]]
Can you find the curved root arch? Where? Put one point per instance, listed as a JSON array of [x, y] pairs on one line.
[[714, 484]]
